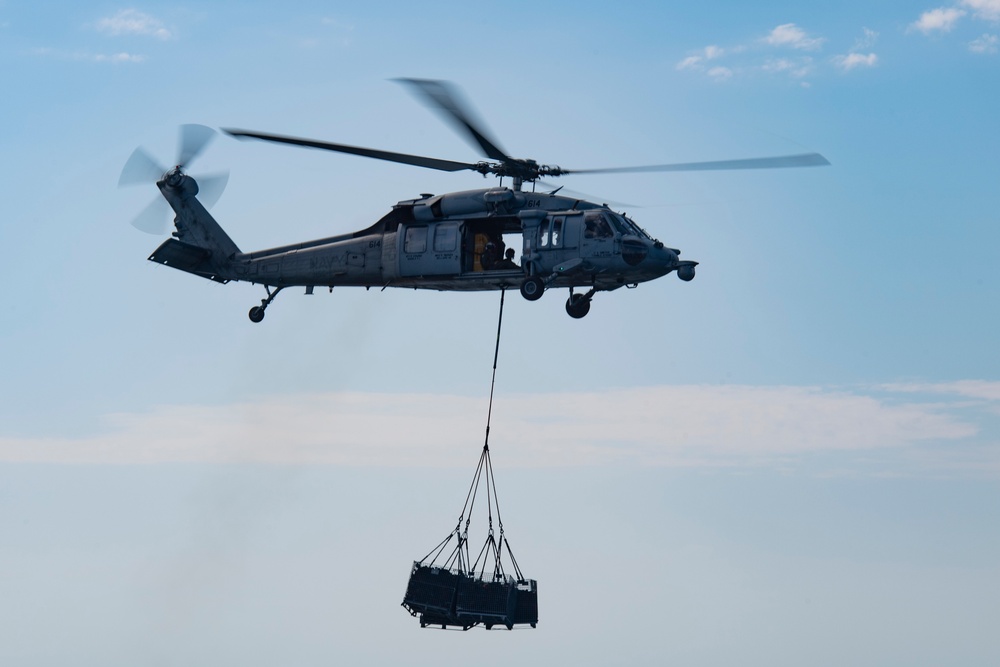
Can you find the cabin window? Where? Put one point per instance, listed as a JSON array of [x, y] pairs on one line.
[[416, 240], [549, 235], [557, 224], [445, 238]]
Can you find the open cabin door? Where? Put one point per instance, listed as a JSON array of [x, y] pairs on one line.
[[430, 249]]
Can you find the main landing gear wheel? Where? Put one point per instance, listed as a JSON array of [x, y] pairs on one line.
[[532, 288], [577, 306], [257, 312]]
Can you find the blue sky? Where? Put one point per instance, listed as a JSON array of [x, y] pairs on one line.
[[792, 459]]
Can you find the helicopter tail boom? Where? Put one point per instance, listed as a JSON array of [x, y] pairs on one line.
[[201, 246]]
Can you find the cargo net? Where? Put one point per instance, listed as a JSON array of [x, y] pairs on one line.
[[449, 588]]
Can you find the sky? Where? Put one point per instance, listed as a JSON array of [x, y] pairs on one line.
[[792, 459]]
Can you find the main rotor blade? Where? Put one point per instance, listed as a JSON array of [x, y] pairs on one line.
[[193, 139], [441, 96], [620, 206], [403, 158], [140, 169], [778, 162]]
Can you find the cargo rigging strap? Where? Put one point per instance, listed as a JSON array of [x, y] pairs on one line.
[[459, 558]]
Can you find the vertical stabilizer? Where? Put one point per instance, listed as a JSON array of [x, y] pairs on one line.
[[195, 225]]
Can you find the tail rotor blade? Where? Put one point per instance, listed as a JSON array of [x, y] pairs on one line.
[[210, 188], [140, 169], [193, 140], [153, 219]]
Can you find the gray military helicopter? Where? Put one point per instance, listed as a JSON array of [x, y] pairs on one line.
[[454, 241]]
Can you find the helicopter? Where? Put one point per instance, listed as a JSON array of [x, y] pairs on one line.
[[449, 242]]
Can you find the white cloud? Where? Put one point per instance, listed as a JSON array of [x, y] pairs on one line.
[[942, 19], [790, 35], [132, 22], [780, 53], [853, 60], [689, 62], [987, 44], [866, 41], [797, 68], [988, 10], [778, 65], [720, 73], [118, 58], [712, 52], [83, 56], [652, 426], [708, 53], [978, 389]]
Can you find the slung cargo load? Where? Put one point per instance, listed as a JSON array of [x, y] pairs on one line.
[[461, 592], [447, 598], [464, 593]]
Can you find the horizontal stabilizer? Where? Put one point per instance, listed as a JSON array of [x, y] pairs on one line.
[[186, 257]]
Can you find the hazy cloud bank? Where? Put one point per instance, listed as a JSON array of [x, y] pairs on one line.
[[697, 425]]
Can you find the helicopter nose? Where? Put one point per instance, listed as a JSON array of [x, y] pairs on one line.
[[665, 258], [635, 251], [664, 255]]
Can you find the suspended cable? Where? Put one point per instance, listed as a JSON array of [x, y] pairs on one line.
[[460, 593]]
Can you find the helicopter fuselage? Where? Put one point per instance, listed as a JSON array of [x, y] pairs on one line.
[[449, 242]]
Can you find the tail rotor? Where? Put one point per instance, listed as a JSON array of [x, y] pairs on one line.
[[142, 169]]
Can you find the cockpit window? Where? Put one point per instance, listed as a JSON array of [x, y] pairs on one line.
[[618, 222], [596, 226], [629, 226]]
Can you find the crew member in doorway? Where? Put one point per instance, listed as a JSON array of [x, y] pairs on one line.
[[508, 261], [490, 256]]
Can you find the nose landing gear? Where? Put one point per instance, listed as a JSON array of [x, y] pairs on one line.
[[578, 305], [256, 313]]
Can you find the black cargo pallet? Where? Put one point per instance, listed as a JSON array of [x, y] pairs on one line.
[[454, 599]]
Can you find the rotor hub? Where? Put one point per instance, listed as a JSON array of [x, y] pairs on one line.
[[174, 177]]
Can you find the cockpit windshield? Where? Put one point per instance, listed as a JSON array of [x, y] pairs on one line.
[[604, 224], [628, 226]]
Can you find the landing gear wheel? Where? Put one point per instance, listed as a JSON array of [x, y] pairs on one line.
[[257, 312], [577, 306], [532, 288]]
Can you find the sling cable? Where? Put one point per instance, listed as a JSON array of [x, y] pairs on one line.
[[460, 592]]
